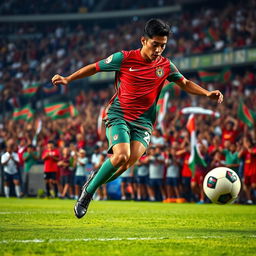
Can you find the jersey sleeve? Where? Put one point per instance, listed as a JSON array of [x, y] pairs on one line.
[[175, 74], [112, 63]]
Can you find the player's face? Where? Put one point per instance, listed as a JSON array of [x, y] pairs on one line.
[[153, 47]]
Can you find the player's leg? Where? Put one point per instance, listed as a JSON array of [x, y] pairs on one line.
[[137, 149], [119, 143], [121, 154]]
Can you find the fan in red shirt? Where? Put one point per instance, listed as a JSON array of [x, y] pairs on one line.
[[50, 156], [248, 153], [229, 130], [186, 174]]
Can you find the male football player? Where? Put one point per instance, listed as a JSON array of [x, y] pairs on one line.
[[131, 113]]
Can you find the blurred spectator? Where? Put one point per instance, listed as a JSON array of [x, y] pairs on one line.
[[80, 174], [51, 156], [30, 157], [157, 139], [98, 158], [10, 162], [230, 152], [127, 184], [248, 152], [65, 164], [156, 174], [172, 175], [142, 178], [198, 178]]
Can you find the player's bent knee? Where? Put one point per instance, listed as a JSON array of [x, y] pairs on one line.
[[120, 159]]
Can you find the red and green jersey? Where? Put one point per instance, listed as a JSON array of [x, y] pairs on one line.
[[138, 84]]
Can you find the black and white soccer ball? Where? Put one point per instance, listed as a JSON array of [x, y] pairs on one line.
[[222, 185]]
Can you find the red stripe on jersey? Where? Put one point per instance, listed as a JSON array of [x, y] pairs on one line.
[[97, 67]]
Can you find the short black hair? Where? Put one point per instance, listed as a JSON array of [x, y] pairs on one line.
[[156, 27]]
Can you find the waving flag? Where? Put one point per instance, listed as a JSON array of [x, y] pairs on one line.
[[30, 90], [195, 156], [26, 113], [162, 111], [199, 110], [73, 110], [245, 114], [38, 126], [208, 76]]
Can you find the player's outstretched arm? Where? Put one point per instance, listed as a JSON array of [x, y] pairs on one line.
[[86, 71], [194, 88]]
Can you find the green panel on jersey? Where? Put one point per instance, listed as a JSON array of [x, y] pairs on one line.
[[112, 63], [147, 119], [175, 75], [114, 111]]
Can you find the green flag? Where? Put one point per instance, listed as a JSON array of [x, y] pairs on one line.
[[73, 110], [26, 113], [208, 76], [225, 75], [30, 90], [245, 115], [50, 109]]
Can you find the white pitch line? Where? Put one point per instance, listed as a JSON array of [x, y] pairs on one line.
[[109, 239], [33, 212]]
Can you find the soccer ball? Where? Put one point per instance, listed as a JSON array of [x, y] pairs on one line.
[[222, 185]]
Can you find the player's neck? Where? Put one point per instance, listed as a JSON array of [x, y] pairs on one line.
[[144, 55]]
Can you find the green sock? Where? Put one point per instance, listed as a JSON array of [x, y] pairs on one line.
[[104, 173], [112, 177]]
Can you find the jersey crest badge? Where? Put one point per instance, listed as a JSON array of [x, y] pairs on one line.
[[115, 137], [109, 59], [159, 72]]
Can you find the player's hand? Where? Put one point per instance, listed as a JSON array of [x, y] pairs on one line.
[[216, 95], [57, 79]]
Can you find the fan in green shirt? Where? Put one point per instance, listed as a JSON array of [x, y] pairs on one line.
[[231, 156], [30, 158]]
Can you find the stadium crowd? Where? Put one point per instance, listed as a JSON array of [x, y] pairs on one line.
[[78, 6], [71, 147], [33, 52]]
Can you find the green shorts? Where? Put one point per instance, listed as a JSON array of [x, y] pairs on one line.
[[120, 131]]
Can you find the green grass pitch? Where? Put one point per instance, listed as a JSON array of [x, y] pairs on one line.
[[49, 227]]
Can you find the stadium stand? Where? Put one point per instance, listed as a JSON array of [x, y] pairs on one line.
[[30, 53]]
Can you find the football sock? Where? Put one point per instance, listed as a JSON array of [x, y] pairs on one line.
[[7, 191], [113, 177], [104, 173], [17, 190]]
